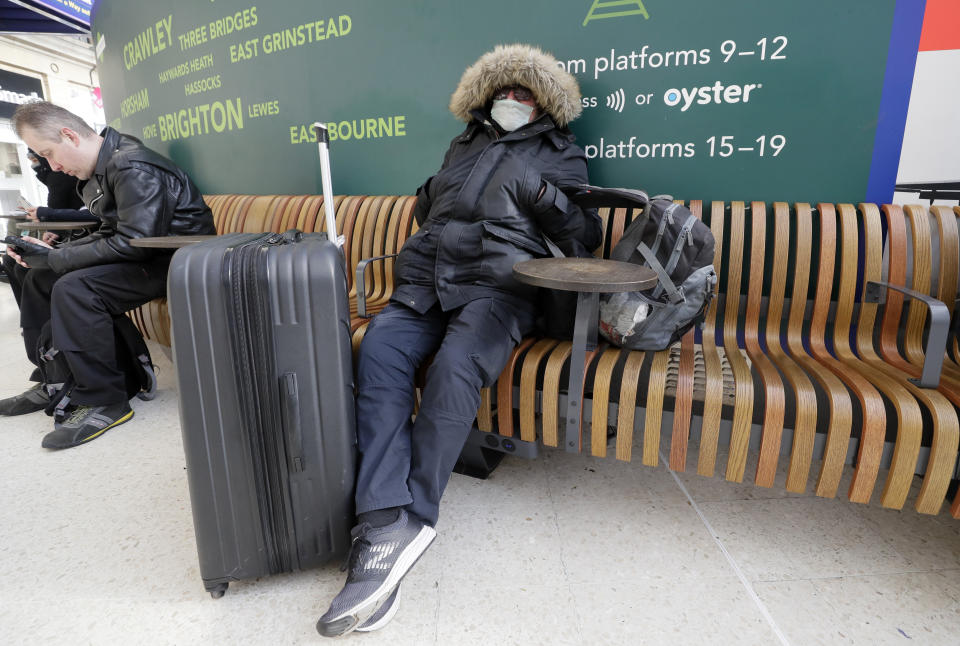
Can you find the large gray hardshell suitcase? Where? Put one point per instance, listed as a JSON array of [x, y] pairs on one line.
[[261, 343]]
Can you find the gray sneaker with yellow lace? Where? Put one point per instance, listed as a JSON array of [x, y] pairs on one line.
[[85, 423]]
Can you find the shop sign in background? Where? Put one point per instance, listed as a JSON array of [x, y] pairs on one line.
[[16, 89], [733, 99]]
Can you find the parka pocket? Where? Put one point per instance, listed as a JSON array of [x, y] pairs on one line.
[[514, 238]]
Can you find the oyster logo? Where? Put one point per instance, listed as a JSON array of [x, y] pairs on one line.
[[611, 9], [717, 93]]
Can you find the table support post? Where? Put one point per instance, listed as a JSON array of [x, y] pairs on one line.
[[584, 338], [588, 277]]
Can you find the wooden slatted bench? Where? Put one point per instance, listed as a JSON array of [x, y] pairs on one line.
[[372, 225], [792, 360]]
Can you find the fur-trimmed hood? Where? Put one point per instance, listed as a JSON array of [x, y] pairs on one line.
[[555, 89]]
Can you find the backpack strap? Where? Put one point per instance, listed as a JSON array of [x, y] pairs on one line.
[[684, 237], [665, 217], [46, 356], [631, 237], [59, 411], [150, 391], [138, 350], [52, 389], [665, 283], [553, 248]]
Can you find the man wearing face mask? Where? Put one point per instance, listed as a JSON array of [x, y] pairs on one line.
[[63, 204], [62, 191], [493, 202]]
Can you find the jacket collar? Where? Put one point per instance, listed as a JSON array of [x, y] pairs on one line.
[[111, 140]]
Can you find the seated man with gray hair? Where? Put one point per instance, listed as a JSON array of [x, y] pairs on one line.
[[80, 285]]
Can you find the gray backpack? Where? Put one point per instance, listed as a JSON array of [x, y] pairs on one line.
[[673, 242]]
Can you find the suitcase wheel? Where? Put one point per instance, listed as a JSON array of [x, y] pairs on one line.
[[217, 590]]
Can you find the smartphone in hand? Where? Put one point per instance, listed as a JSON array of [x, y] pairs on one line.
[[25, 247]]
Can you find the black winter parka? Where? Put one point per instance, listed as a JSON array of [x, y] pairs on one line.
[[136, 193], [479, 215]]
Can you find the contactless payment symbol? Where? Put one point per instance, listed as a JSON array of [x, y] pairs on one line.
[[612, 9], [617, 100]]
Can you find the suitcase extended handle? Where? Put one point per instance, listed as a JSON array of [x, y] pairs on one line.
[[290, 411], [323, 140]]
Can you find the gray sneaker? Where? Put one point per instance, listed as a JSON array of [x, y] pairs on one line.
[[382, 617], [34, 399], [379, 559], [86, 423]]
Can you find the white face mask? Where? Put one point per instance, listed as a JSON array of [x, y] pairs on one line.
[[511, 114]]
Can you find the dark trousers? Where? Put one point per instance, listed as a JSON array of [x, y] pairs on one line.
[[406, 463], [16, 275], [80, 306]]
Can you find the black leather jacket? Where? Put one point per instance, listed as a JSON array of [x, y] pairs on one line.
[[480, 214], [136, 193]]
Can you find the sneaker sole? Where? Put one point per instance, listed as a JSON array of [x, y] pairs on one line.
[[120, 421], [350, 619], [384, 620]]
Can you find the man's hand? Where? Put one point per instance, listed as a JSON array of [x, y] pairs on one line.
[[50, 237], [13, 254], [16, 257], [32, 214]]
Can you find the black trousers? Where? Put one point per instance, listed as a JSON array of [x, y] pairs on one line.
[[80, 306], [15, 274], [406, 463]]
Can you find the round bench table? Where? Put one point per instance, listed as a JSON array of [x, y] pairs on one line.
[[53, 225], [588, 277]]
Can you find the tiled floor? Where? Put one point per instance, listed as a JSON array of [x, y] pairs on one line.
[[97, 547]]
